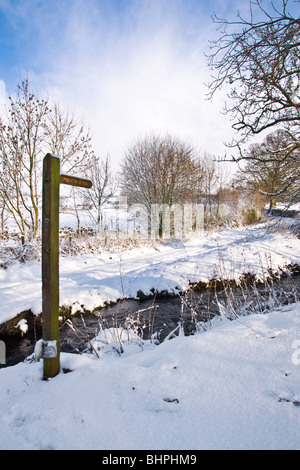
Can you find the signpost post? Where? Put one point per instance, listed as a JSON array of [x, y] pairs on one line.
[[50, 259]]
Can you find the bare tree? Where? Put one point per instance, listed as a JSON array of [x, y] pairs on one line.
[[21, 153], [261, 62], [68, 138], [2, 211], [104, 187], [159, 170], [26, 135], [213, 179], [259, 59], [274, 179]]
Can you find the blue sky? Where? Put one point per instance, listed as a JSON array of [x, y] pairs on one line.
[[127, 67]]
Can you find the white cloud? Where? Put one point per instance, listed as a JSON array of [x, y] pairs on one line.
[[3, 99], [2, 93], [131, 72]]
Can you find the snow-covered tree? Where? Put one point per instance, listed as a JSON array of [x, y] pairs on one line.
[[159, 171], [270, 172], [104, 187], [258, 58], [29, 131]]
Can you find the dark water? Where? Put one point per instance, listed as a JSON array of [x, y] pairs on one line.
[[148, 317], [161, 316]]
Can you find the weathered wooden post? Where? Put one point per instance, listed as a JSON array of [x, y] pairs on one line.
[[50, 259], [50, 255]]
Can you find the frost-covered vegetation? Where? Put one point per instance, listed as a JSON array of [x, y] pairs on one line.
[[226, 376]]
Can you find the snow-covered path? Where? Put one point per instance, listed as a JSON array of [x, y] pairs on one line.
[[234, 386], [91, 280]]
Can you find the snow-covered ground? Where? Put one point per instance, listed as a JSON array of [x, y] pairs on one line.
[[93, 279], [234, 386]]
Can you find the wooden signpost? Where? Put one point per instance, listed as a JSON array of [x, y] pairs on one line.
[[50, 259]]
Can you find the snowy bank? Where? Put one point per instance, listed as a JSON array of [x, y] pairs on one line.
[[92, 280], [235, 386]]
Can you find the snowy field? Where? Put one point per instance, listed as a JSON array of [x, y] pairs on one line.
[[235, 386], [91, 280]]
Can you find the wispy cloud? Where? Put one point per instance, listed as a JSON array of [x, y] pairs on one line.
[[128, 67]]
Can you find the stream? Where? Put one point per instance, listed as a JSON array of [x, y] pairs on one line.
[[160, 316], [146, 317]]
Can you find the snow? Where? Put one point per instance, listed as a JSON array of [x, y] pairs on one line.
[[234, 386], [292, 207], [91, 280], [38, 349], [22, 326], [46, 349]]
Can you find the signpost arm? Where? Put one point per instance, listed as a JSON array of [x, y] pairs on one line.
[[50, 258]]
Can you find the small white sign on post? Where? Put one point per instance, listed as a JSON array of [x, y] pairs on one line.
[[2, 353]]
